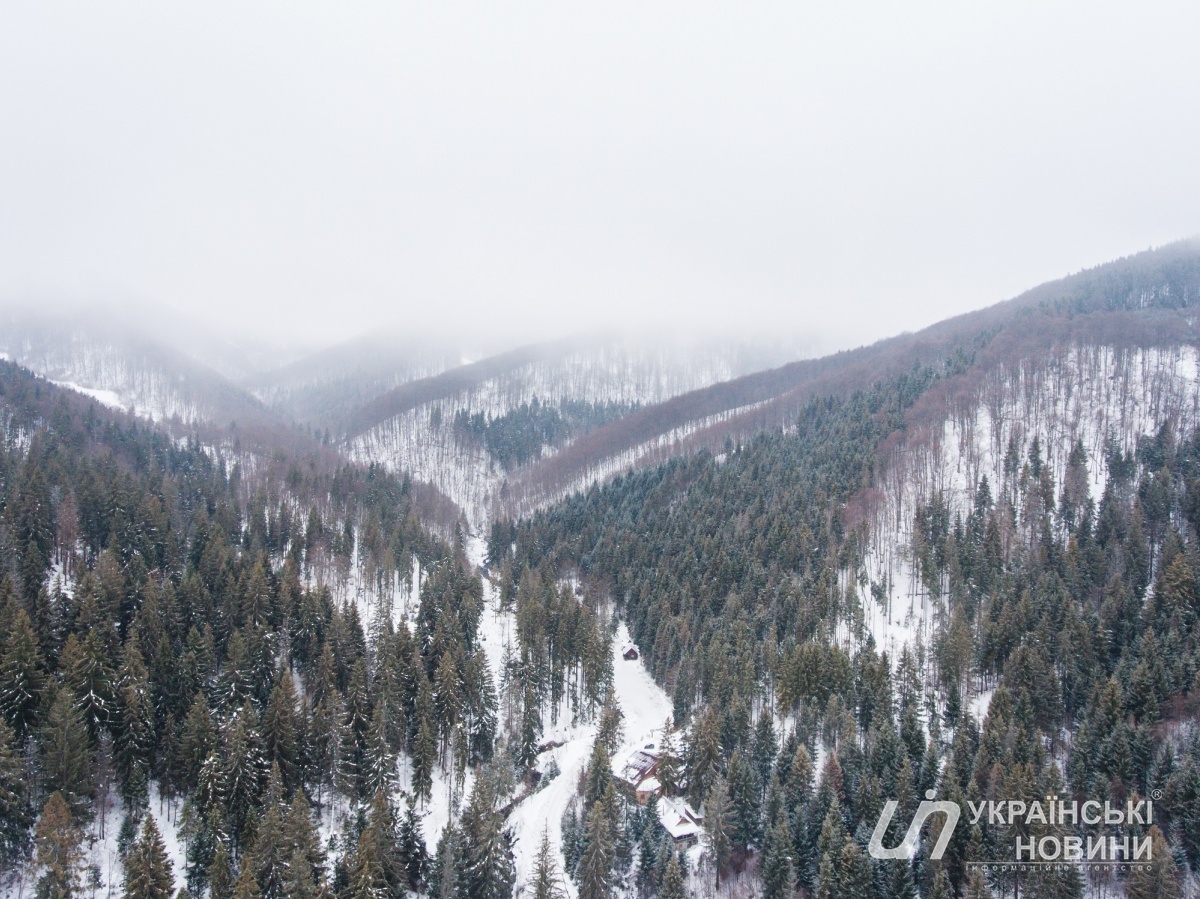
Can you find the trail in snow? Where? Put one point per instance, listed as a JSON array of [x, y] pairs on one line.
[[644, 704]]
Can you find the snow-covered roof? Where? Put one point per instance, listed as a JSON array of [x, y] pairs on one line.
[[638, 765], [650, 785], [678, 818]]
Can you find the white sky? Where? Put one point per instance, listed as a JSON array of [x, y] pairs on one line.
[[845, 169]]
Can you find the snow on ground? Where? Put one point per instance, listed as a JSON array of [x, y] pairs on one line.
[[645, 706], [109, 398], [1086, 394], [432, 452]]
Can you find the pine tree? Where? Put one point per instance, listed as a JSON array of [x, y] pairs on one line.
[[379, 763], [744, 804], [16, 812], [220, 874], [197, 739], [668, 761], [147, 867], [546, 882], [489, 871], [900, 884], [977, 887], [778, 875], [245, 768], [59, 854], [854, 873], [86, 670], [270, 855], [672, 882], [599, 774], [424, 758], [66, 761], [718, 828], [246, 886], [1159, 879], [766, 747], [301, 837], [279, 730], [595, 867], [531, 726], [134, 741], [703, 757], [413, 857], [443, 874], [21, 677]]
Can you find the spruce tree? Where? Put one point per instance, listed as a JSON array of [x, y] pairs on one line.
[[775, 863], [413, 857], [58, 841], [21, 677], [854, 873], [744, 803], [220, 874], [279, 729], [546, 883], [147, 867], [718, 828], [246, 886], [596, 864], [1159, 879], [66, 761], [134, 741], [488, 872], [16, 812], [672, 882]]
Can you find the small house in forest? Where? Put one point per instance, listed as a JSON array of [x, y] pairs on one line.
[[680, 820], [629, 653], [637, 774]]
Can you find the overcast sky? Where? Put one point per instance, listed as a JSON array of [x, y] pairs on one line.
[[848, 170]]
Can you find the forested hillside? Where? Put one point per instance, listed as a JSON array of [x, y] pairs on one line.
[[977, 577], [208, 671], [247, 660]]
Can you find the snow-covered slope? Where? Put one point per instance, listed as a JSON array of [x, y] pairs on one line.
[[422, 441], [1081, 393]]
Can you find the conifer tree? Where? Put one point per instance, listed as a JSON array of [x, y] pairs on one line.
[[744, 804], [21, 677], [531, 726], [1159, 879], [596, 864], [58, 840], [854, 873], [245, 768], [488, 870], [220, 874], [668, 761], [66, 761], [778, 874], [279, 730], [672, 882], [379, 763], [86, 670], [197, 739], [413, 857], [16, 812], [270, 855], [546, 883], [718, 828], [703, 757], [246, 886], [147, 867], [134, 741]]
